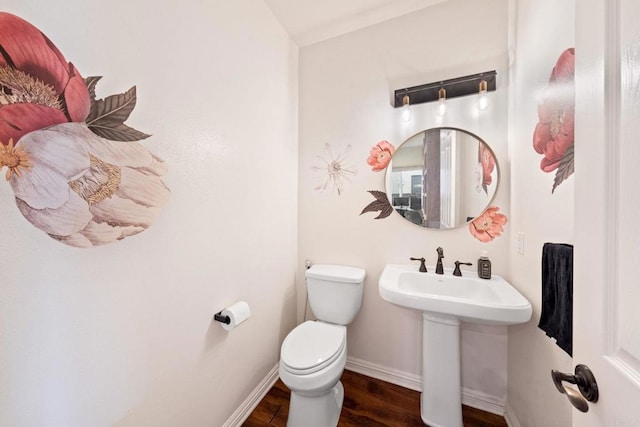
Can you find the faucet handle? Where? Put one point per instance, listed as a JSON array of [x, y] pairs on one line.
[[423, 268], [456, 271]]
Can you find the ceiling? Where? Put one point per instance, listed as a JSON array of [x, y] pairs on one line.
[[312, 21]]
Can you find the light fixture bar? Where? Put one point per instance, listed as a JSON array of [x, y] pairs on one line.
[[460, 86]]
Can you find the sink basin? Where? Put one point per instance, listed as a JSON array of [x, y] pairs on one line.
[[446, 300], [468, 298]]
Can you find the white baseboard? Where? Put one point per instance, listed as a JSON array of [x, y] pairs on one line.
[[483, 401], [393, 376], [246, 408], [473, 398], [510, 417]]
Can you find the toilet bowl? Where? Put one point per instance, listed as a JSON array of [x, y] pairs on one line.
[[313, 355], [313, 359]]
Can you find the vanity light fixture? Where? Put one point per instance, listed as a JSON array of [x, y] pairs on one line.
[[442, 101], [453, 88], [406, 112], [483, 102]]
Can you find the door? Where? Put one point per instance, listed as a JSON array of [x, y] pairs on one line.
[[607, 209], [448, 171]]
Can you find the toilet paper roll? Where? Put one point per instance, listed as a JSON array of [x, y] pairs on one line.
[[238, 313]]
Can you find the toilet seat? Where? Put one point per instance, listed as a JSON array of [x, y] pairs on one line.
[[312, 346]]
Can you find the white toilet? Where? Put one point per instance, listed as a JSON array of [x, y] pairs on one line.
[[313, 355]]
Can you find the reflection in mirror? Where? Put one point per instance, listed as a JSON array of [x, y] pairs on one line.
[[442, 178]]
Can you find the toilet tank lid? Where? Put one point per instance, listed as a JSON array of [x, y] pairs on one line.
[[336, 273]]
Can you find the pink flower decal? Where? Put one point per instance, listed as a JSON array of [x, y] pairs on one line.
[[554, 133], [38, 87], [380, 155], [489, 225], [488, 165]]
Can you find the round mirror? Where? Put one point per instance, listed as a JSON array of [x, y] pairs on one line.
[[442, 178]]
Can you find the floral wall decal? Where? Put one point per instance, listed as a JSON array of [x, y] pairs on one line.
[[489, 225], [107, 116], [554, 133], [333, 170], [379, 158], [380, 155], [487, 164], [77, 171], [380, 204], [39, 87]]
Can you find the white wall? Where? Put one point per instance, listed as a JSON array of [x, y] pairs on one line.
[[122, 334], [346, 86], [543, 30]]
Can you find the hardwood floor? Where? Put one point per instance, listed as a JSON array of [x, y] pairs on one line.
[[368, 402]]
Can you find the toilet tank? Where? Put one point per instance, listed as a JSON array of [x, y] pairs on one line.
[[335, 292]]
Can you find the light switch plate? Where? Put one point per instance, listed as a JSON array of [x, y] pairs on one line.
[[521, 243]]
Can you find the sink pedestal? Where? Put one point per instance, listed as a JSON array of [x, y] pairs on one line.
[[441, 399]]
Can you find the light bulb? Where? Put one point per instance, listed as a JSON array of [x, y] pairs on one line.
[[406, 112], [483, 102], [442, 99]]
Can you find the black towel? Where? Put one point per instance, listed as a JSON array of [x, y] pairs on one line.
[[556, 318]]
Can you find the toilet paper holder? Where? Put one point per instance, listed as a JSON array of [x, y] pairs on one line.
[[233, 315], [222, 319]]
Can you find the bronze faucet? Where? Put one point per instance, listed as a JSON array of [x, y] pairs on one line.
[[456, 271], [423, 268], [439, 268]]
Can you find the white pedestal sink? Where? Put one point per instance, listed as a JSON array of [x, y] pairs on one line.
[[445, 301]]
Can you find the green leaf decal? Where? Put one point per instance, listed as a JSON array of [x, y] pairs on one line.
[[107, 116], [91, 83], [381, 204], [565, 169], [118, 132]]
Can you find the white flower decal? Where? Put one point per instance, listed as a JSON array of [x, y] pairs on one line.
[[84, 190], [333, 170]]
